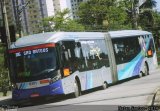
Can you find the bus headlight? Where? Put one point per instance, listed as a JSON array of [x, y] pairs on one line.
[[56, 78]]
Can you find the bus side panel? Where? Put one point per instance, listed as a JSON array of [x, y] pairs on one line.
[[88, 79], [152, 60], [95, 78], [129, 57], [106, 75], [136, 65], [131, 68], [68, 83]]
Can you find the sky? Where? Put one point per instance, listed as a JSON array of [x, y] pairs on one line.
[[158, 5]]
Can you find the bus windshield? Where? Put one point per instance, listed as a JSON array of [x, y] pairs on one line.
[[34, 64]]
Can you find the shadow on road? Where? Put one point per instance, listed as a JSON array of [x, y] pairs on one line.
[[47, 100], [40, 101], [34, 101]]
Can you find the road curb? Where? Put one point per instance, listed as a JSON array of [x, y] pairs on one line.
[[4, 98], [156, 99], [153, 97]]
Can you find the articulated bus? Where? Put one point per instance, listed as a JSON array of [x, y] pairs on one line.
[[55, 63]]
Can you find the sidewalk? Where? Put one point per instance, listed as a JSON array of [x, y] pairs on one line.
[[5, 97], [156, 96], [9, 95]]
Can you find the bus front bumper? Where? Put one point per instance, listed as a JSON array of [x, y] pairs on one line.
[[52, 89]]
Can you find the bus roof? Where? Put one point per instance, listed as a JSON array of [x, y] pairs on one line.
[[54, 37], [127, 33]]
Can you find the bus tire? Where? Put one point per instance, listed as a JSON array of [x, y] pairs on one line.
[[104, 86], [140, 74], [77, 90], [146, 69]]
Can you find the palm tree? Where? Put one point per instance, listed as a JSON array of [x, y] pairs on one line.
[[149, 4], [146, 19]]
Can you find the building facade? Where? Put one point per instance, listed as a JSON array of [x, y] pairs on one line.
[[72, 5], [10, 13], [31, 12], [27, 15]]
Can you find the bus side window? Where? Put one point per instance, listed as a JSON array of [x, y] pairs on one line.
[[80, 62], [94, 54], [125, 50], [68, 57]]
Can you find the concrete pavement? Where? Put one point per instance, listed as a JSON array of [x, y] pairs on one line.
[[5, 97], [9, 95], [156, 97], [131, 92]]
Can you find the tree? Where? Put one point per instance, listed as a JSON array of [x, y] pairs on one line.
[[131, 8], [4, 79], [61, 22], [156, 16], [72, 25], [146, 18], [148, 4], [156, 28], [93, 13]]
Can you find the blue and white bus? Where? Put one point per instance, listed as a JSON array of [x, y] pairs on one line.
[[55, 63]]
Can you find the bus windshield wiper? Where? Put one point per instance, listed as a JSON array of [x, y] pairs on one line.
[[44, 71]]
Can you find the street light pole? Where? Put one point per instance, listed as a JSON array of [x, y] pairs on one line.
[[135, 10]]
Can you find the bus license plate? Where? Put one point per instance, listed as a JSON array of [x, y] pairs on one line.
[[33, 84], [34, 95]]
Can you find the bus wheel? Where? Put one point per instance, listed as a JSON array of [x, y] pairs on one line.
[[140, 74], [146, 70], [104, 86], [77, 91]]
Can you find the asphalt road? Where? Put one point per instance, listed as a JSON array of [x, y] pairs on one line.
[[129, 94]]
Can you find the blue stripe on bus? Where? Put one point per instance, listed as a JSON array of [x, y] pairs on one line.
[[133, 68], [129, 69], [23, 86], [137, 67], [89, 80]]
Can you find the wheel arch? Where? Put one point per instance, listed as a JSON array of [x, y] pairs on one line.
[[147, 65], [78, 81], [105, 83], [141, 73]]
